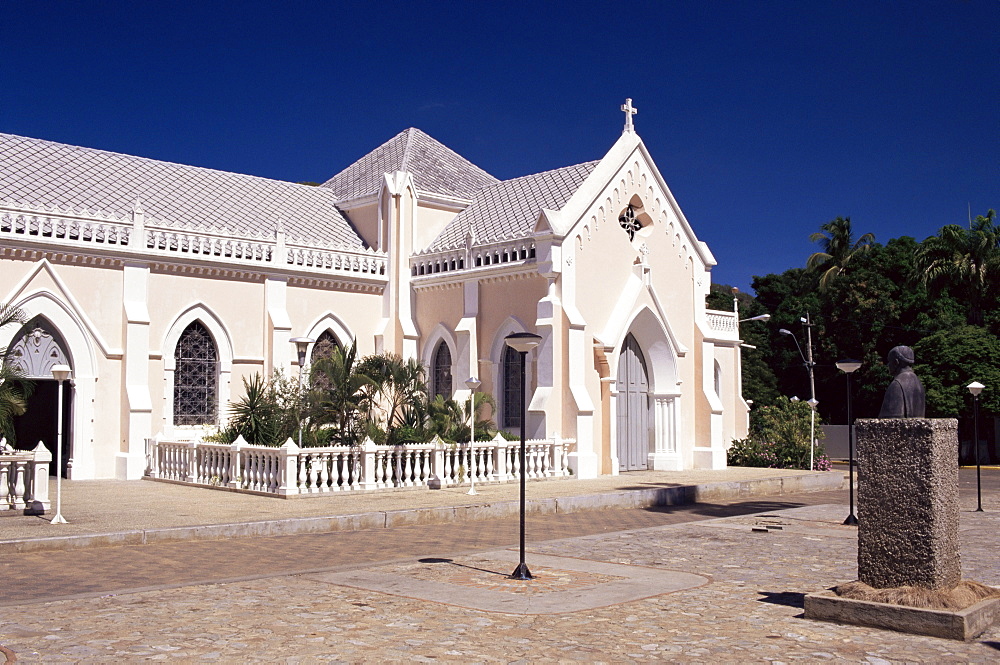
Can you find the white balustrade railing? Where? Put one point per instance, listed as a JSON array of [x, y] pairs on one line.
[[73, 229], [290, 470], [24, 480], [722, 322]]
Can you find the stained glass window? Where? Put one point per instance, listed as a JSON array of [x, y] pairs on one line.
[[442, 371], [511, 388], [196, 377], [324, 347]]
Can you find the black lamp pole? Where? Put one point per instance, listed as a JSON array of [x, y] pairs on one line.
[[522, 343], [849, 367]]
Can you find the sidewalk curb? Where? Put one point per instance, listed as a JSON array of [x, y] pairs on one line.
[[638, 498]]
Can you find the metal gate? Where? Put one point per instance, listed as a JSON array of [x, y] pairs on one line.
[[634, 419]]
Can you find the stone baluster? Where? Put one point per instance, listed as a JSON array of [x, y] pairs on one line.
[[5, 467], [190, 471], [488, 458], [408, 468], [20, 466], [324, 472]]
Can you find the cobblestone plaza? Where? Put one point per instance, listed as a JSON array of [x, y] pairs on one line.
[[738, 570]]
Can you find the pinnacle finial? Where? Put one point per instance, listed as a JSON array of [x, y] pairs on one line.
[[629, 111]]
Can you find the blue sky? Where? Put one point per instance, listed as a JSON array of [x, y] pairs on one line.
[[765, 118]]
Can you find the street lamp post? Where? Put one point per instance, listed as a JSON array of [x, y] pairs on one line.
[[301, 346], [522, 342], [849, 367], [60, 373], [473, 384], [808, 362], [975, 388]]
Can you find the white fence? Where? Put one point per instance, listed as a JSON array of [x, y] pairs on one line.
[[24, 480], [292, 471]]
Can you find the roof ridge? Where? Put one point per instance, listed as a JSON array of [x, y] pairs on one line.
[[540, 173], [405, 162], [154, 160]]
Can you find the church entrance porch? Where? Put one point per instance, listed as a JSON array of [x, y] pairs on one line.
[[634, 418], [39, 422], [35, 350]]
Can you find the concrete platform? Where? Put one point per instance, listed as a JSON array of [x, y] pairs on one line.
[[105, 513], [966, 624]]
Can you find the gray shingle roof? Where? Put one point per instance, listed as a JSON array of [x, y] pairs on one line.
[[510, 208], [39, 172], [436, 168]]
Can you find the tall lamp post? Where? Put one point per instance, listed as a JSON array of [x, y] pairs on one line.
[[975, 388], [60, 373], [522, 342], [808, 362], [849, 367], [301, 346], [473, 384]]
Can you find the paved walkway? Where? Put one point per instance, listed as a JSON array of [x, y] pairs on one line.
[[134, 512], [717, 592]]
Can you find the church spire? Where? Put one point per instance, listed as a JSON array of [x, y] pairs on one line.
[[629, 112]]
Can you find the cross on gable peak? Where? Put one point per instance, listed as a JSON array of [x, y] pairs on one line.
[[629, 111]]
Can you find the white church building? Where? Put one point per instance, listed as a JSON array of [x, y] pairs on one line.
[[163, 285]]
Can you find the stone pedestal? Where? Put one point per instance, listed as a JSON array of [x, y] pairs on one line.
[[908, 503]]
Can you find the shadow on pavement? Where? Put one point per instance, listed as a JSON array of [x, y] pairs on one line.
[[727, 509], [786, 598], [992, 644]]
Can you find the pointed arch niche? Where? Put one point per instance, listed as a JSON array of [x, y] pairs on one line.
[[65, 334], [506, 365], [179, 425], [646, 339], [438, 357]]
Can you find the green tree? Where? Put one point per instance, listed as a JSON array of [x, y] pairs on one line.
[[964, 262], [951, 359], [15, 389], [836, 238]]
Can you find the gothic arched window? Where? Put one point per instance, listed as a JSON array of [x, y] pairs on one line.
[[324, 348], [196, 377], [441, 366], [511, 388]]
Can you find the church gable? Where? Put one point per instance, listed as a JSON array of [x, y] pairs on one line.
[[628, 195], [46, 174], [436, 169]]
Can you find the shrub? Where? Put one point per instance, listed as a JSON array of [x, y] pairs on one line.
[[779, 438]]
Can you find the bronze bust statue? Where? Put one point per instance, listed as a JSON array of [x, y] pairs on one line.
[[905, 396]]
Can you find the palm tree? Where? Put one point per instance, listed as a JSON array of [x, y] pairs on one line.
[[398, 387], [965, 262], [836, 238], [345, 399], [14, 387]]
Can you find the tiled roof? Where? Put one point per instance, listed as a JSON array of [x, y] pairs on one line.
[[510, 208], [53, 174], [436, 168]]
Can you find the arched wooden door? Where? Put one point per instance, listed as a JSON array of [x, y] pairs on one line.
[[634, 419]]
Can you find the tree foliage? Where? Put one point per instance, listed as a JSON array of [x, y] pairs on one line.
[[15, 388], [904, 292]]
